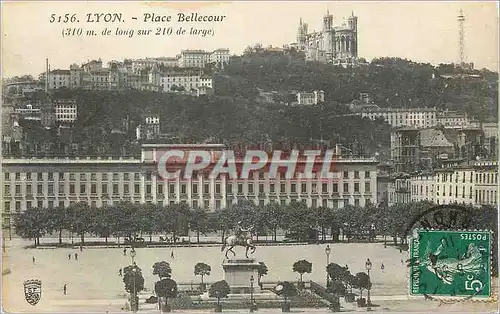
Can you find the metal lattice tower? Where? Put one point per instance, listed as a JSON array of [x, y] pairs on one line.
[[461, 43]]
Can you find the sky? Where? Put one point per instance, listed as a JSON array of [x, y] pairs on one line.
[[419, 31]]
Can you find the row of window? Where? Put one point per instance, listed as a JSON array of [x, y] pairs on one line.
[[148, 176], [183, 188], [194, 203]]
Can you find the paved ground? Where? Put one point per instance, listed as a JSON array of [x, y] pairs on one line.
[[94, 285]]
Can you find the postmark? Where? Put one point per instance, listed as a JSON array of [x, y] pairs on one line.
[[450, 264], [33, 291]]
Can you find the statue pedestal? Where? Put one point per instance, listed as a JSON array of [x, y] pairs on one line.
[[237, 273]]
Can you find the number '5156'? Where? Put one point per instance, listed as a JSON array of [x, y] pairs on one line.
[[66, 18], [473, 236]]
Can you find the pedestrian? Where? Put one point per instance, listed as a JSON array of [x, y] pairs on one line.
[[124, 251], [64, 289], [81, 248], [400, 250], [33, 260], [402, 263], [69, 256], [76, 256], [382, 267], [120, 272], [172, 254]]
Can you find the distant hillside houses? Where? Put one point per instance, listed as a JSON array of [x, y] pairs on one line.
[[124, 75]]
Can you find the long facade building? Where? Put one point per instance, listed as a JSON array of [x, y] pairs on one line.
[[99, 182]]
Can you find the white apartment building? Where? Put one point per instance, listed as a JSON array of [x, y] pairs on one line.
[[476, 184], [193, 58], [402, 117], [59, 79], [66, 110], [313, 98], [188, 81], [141, 64], [98, 182], [453, 119]]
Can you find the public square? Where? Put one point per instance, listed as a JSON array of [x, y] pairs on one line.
[[93, 283]]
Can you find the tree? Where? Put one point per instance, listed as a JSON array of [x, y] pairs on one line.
[[262, 270], [31, 224], [202, 269], [198, 220], [166, 288], [337, 272], [362, 282], [162, 270], [134, 282], [82, 219], [219, 290], [301, 267], [287, 290]]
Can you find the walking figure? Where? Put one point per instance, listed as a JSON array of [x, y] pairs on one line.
[[69, 256], [172, 254], [120, 272], [64, 289], [382, 267], [76, 256], [402, 262], [33, 260], [125, 251], [81, 248]]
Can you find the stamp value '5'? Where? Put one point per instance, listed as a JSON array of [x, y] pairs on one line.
[[450, 264]]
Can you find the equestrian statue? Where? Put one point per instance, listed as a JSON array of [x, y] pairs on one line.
[[242, 237]]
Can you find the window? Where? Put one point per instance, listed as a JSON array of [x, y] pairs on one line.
[[159, 189], [324, 203], [368, 187], [72, 177], [261, 188], [137, 177], [229, 188], [271, 187], [126, 189], [115, 177], [104, 189], [61, 176], [261, 175], [148, 188], [93, 188], [40, 176], [39, 204], [18, 176], [314, 203], [6, 207], [356, 187], [356, 202], [346, 187], [7, 176], [367, 174], [283, 188], [71, 188], [217, 188], [250, 188], [61, 188], [39, 189], [282, 202], [206, 188], [137, 188], [304, 188], [240, 188], [93, 177], [195, 188], [28, 189], [293, 188], [183, 188], [28, 176], [83, 177], [18, 206], [28, 204], [6, 189], [335, 187], [171, 189], [324, 187], [148, 176], [82, 188], [356, 174], [346, 175], [126, 176], [195, 203], [217, 204]]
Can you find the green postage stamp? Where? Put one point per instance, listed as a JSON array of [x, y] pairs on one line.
[[450, 263]]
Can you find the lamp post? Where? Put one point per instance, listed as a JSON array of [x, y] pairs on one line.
[[134, 305], [133, 300], [252, 306], [368, 266], [327, 252]]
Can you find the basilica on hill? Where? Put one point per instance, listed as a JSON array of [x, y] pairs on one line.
[[333, 44]]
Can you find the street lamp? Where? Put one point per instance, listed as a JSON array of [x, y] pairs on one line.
[[134, 305], [327, 252], [368, 266], [133, 253], [252, 306]]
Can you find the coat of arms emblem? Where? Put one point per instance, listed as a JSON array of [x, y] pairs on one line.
[[33, 291]]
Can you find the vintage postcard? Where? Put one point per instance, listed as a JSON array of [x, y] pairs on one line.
[[239, 156]]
